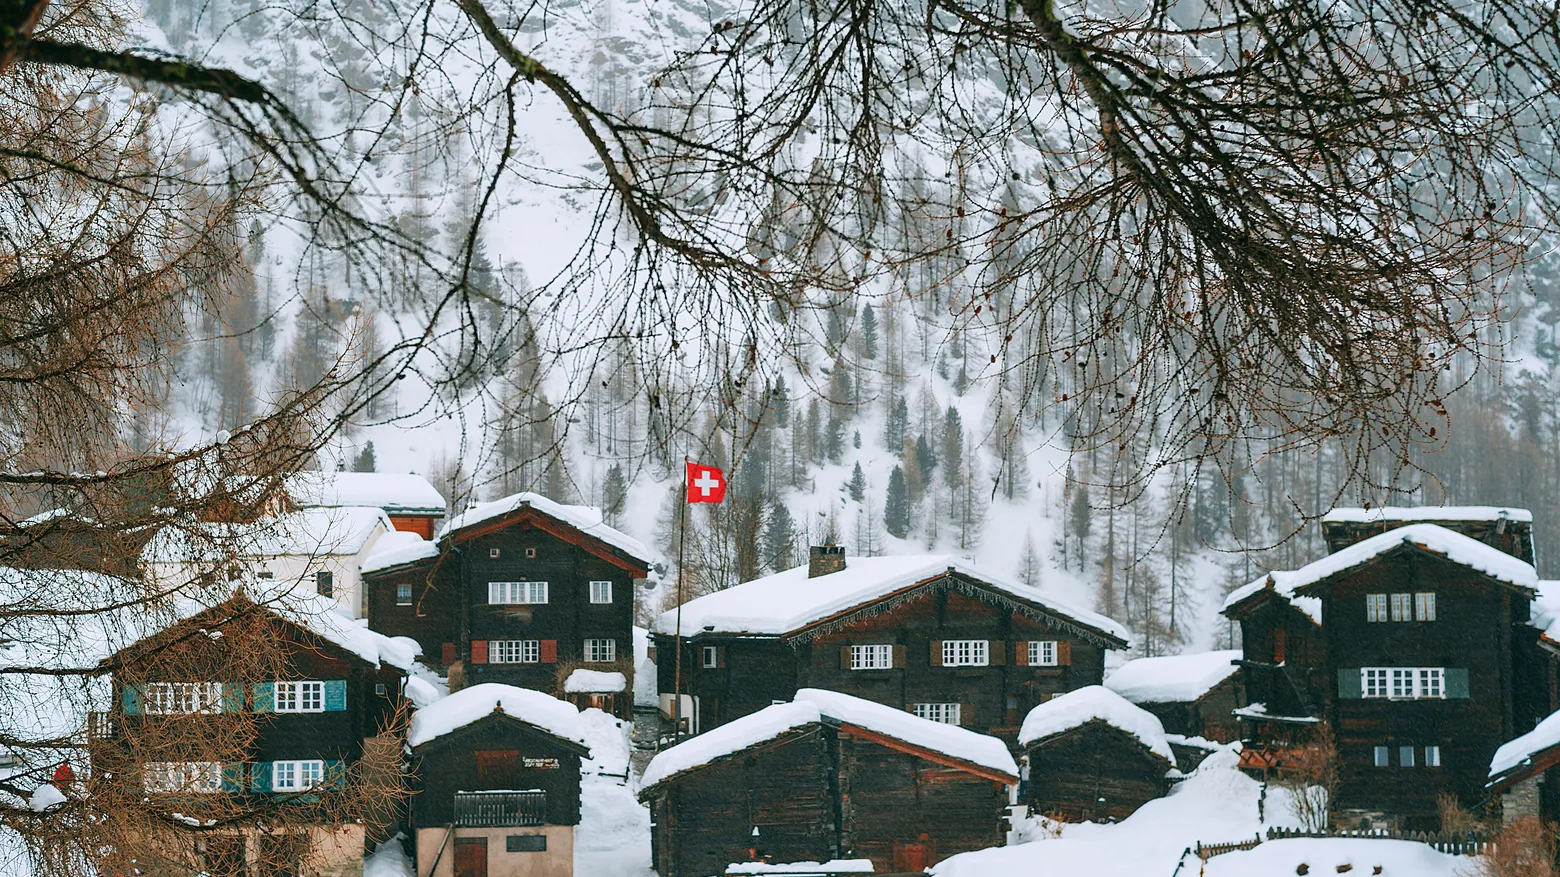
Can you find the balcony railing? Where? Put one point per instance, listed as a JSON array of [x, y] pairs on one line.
[[500, 809]]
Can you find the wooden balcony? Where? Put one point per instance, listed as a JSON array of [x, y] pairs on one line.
[[500, 809]]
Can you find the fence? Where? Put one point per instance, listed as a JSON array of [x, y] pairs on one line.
[[1473, 843], [1208, 851], [499, 809]]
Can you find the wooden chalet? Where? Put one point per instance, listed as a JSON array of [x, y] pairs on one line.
[[519, 591], [1191, 695], [1508, 530], [932, 635], [323, 699], [496, 777], [1093, 756], [825, 777]]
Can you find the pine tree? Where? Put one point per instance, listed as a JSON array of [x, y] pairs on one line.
[[815, 448], [855, 440], [896, 507], [858, 484], [1079, 520], [780, 402], [925, 457], [614, 493], [969, 506], [897, 425], [869, 333], [952, 446], [365, 461], [915, 480], [1029, 563], [779, 551]]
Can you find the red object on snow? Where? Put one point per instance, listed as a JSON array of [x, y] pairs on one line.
[[63, 775], [705, 483]]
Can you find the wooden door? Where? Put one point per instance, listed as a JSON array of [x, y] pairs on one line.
[[914, 856], [471, 857], [498, 768]]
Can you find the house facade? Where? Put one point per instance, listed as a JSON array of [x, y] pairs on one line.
[[931, 635]]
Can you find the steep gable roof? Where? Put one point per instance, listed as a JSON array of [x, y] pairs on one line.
[[570, 522], [1431, 538], [1280, 585], [1095, 703], [556, 717], [1527, 755], [394, 492]]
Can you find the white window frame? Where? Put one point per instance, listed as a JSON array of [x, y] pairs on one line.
[[601, 591], [297, 776], [709, 657], [597, 653], [1424, 606], [181, 698], [945, 713], [407, 588], [514, 651], [876, 656], [1042, 653], [1403, 683], [966, 653], [200, 777], [1381, 756], [306, 696], [1373, 682], [517, 593], [1432, 756], [1402, 607], [1375, 607]]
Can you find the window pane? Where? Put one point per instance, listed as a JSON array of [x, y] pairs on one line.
[[1424, 607], [1406, 756], [1381, 756], [601, 592], [1402, 607], [1432, 756], [1402, 683], [403, 595], [1430, 682], [1375, 607]]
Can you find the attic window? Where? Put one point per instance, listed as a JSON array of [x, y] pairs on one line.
[[530, 552], [493, 553]]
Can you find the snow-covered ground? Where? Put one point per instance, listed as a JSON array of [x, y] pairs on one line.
[[613, 838]]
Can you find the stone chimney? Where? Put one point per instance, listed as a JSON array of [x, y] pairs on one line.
[[824, 559]]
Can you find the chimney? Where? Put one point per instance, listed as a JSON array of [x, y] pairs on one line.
[[824, 559]]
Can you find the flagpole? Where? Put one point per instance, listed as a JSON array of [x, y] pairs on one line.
[[682, 540]]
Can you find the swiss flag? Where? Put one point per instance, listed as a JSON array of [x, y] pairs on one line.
[[705, 483]]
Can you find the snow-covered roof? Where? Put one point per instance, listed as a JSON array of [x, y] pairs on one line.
[[834, 866], [311, 532], [1095, 703], [1282, 584], [1519, 751], [584, 681], [393, 492], [1545, 610], [397, 547], [1173, 678], [1426, 513], [556, 717], [789, 600], [812, 706], [586, 519], [1455, 547]]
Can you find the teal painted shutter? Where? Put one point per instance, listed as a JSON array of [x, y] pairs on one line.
[[335, 695], [130, 700], [1457, 683], [232, 697], [1349, 683], [260, 779], [335, 773], [232, 777], [265, 697]]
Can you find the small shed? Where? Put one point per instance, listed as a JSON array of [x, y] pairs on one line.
[[496, 778], [1093, 756], [1192, 695], [826, 777], [605, 690]]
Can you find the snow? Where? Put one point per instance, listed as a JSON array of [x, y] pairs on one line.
[[1455, 547], [389, 859], [789, 600], [583, 518], [646, 676], [1331, 855], [1281, 583], [322, 616], [1174, 678], [584, 681], [613, 837], [1095, 703], [961, 743], [422, 692], [468, 705], [735, 736], [836, 866], [395, 493], [1516, 752], [44, 797], [397, 547], [309, 533], [1426, 513]]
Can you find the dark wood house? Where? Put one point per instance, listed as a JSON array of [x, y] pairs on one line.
[[496, 784], [278, 706], [518, 591], [1283, 667], [1094, 757], [1191, 695], [928, 634], [826, 777]]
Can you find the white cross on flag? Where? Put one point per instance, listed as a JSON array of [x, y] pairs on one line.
[[705, 483]]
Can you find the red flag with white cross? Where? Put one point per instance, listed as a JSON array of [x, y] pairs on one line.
[[705, 483]]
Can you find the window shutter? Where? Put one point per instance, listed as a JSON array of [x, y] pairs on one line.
[[1280, 640], [1349, 683], [1064, 653], [995, 653], [335, 773], [844, 657], [720, 657], [936, 656], [335, 695], [479, 651], [549, 651], [1456, 682], [232, 697], [130, 700], [1021, 653], [233, 777], [448, 654], [899, 657], [260, 778], [264, 695]]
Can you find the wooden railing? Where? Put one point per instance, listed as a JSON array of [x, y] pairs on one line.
[[1472, 843], [500, 809]]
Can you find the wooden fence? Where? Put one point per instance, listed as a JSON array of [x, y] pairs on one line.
[[1472, 843]]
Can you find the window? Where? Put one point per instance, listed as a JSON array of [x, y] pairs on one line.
[[1424, 606], [517, 592], [871, 657], [186, 776], [300, 697], [514, 651], [381, 689], [530, 552], [525, 843], [600, 650], [325, 583], [170, 698], [1042, 653], [947, 713], [1375, 607], [1432, 756], [1402, 607], [1381, 757], [403, 594], [493, 553], [711, 657], [1406, 683], [964, 653], [601, 592], [296, 776], [1405, 756]]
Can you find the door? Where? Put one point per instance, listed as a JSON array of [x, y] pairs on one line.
[[471, 857], [498, 768], [914, 856]]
